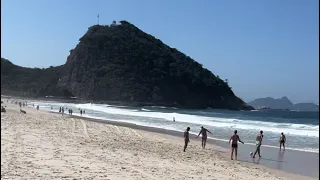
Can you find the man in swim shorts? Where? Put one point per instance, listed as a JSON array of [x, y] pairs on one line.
[[234, 145], [186, 139], [203, 131], [258, 144], [282, 141]]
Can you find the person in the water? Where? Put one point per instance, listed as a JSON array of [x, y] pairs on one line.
[[282, 141], [186, 139], [203, 131], [234, 145]]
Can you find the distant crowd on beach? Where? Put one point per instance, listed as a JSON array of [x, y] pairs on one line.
[[70, 111], [234, 139], [24, 103]]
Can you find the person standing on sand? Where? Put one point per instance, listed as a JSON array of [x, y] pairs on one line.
[[203, 131], [234, 146], [282, 141], [186, 139], [258, 144]]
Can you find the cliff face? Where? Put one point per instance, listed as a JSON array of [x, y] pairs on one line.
[[122, 63]]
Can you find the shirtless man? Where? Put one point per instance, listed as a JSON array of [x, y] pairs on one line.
[[258, 144], [203, 131], [282, 141], [186, 139], [234, 146]]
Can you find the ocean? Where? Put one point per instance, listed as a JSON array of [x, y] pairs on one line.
[[301, 128]]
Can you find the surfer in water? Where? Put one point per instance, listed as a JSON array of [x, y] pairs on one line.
[[203, 131], [258, 144], [234, 146], [282, 141], [174, 120], [186, 139]]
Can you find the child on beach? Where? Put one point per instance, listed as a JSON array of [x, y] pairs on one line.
[[186, 139], [234, 146]]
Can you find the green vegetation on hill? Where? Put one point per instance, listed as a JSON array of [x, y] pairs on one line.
[[16, 80], [122, 63]]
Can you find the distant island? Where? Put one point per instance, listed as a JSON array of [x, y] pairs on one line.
[[282, 103], [121, 63]]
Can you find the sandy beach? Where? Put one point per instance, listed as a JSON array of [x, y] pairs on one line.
[[43, 145]]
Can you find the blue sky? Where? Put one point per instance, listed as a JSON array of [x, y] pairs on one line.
[[264, 48]]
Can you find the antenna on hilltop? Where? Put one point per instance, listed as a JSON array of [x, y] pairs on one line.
[[98, 19]]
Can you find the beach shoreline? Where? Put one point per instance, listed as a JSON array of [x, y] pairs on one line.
[[270, 161], [219, 150]]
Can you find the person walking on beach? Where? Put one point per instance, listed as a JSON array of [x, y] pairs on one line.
[[81, 112], [258, 144], [282, 141], [203, 131], [186, 139], [62, 110], [234, 144]]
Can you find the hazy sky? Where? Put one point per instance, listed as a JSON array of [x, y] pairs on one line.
[[263, 47]]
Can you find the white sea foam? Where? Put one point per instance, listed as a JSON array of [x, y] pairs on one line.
[[290, 129]]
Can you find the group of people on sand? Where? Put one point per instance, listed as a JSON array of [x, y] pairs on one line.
[[70, 111], [234, 139]]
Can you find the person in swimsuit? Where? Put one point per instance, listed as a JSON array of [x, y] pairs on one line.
[[186, 139], [282, 141], [258, 144], [234, 146], [203, 131]]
